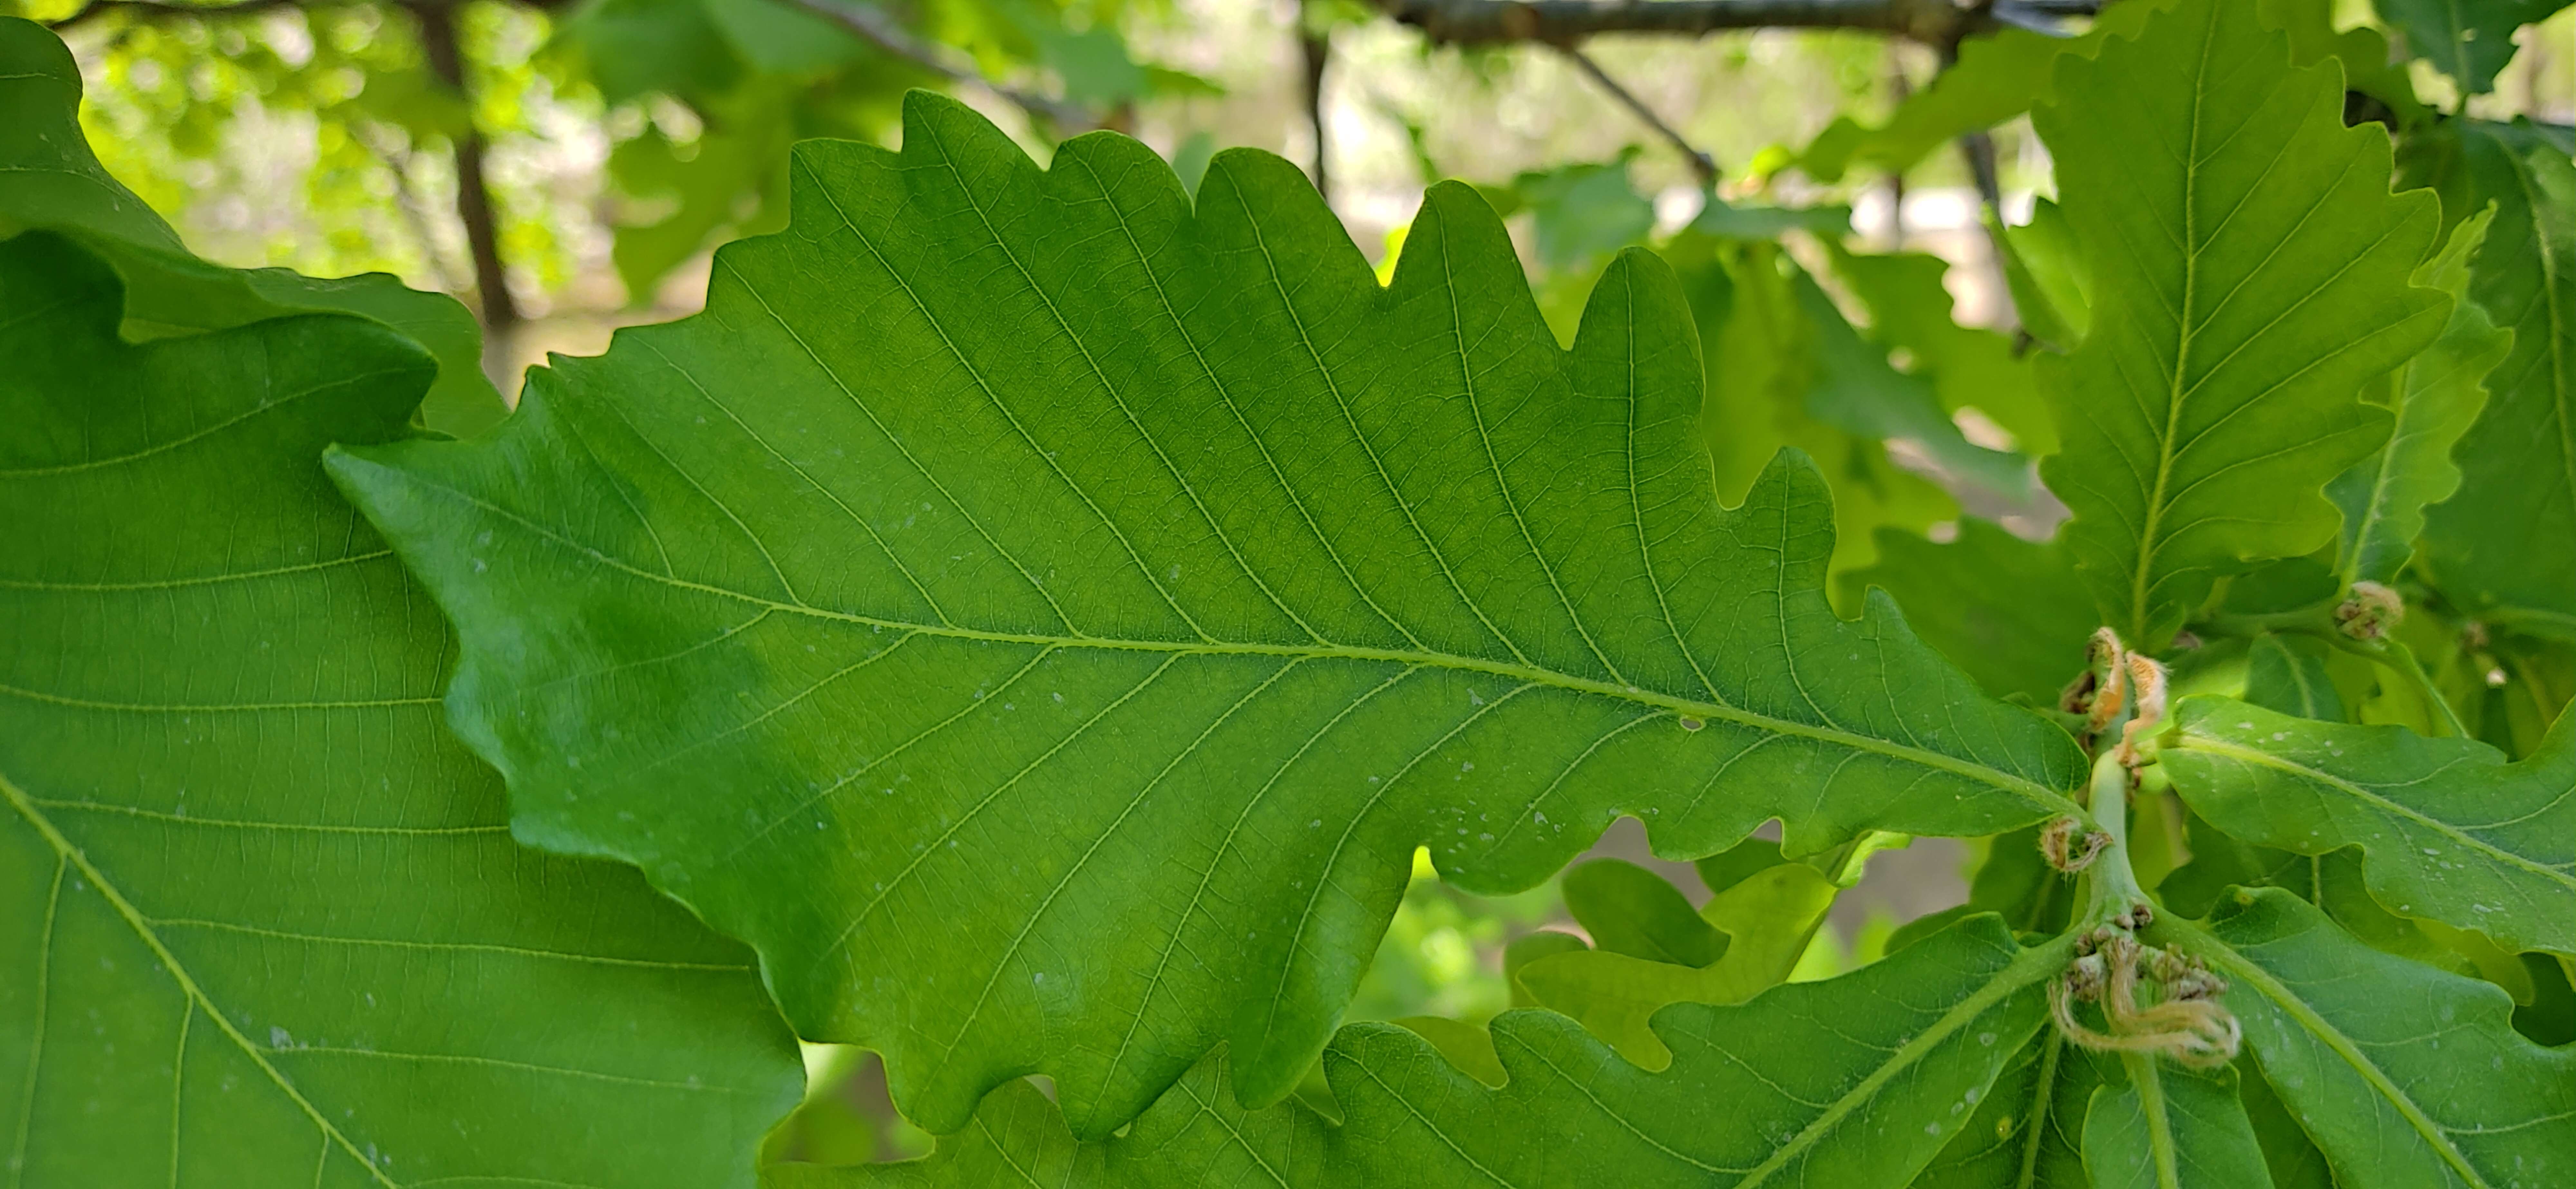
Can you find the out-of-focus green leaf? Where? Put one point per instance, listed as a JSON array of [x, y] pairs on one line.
[[1970, 368], [732, 178], [49, 178], [1725, 220], [2166, 1127], [1529, 948], [2499, 548], [2250, 271], [2403, 1075], [2044, 266], [1768, 919], [1858, 391], [2452, 831], [1761, 355], [261, 918], [1122, 747], [1630, 910], [2369, 68], [774, 37], [2470, 40], [2435, 398], [1997, 77], [2288, 674], [1851, 1081], [2011, 612], [634, 48], [1584, 212]]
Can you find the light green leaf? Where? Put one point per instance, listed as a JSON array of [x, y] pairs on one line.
[[1045, 622], [1724, 220], [2044, 267], [2011, 612], [1768, 919], [2470, 40], [2500, 547], [1858, 391], [1852, 1081], [2288, 674], [1762, 355], [1970, 367], [1630, 910], [2249, 270], [2169, 1128], [2452, 831], [2403, 1075], [1584, 212], [261, 919], [2435, 398], [1996, 78], [49, 178]]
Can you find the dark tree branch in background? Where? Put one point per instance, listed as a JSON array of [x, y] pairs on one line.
[[1701, 163], [438, 23], [1565, 22], [874, 26], [1315, 45]]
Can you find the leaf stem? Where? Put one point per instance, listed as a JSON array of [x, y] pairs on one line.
[[2111, 884], [2399, 659]]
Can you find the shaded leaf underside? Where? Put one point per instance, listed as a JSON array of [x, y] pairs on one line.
[[1044, 621]]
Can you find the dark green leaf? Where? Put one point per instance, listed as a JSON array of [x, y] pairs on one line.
[[261, 919], [2249, 270], [2470, 40], [2011, 612], [1630, 910], [2288, 674], [2166, 1127]]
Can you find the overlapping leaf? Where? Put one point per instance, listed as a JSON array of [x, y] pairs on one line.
[[2451, 831], [2012, 612], [2435, 398], [49, 178], [2168, 1128], [1859, 1080], [2401, 1074], [2249, 272], [2470, 40], [1045, 622], [2500, 547], [261, 918]]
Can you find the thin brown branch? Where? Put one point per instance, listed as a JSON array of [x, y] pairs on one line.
[[1700, 162], [1566, 22], [438, 43], [874, 26], [1315, 46]]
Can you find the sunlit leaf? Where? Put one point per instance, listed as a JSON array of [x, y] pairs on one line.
[[2470, 40], [1045, 622], [2249, 271]]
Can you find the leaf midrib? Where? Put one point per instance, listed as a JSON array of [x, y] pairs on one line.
[[2241, 753], [2026, 968], [2219, 953], [2041, 796], [195, 996]]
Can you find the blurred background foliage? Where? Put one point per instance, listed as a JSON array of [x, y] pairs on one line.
[[1861, 222]]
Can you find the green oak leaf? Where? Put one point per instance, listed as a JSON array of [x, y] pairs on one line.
[[1045, 621], [1768, 919], [2169, 1128], [49, 178], [2249, 272], [2470, 40], [2044, 268], [2027, 1132], [1630, 910], [2499, 548], [2435, 398], [1858, 1080], [1996, 77], [1970, 367], [2401, 1074], [2012, 612], [2288, 674], [1859, 391], [2291, 1157], [261, 918], [2451, 831]]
